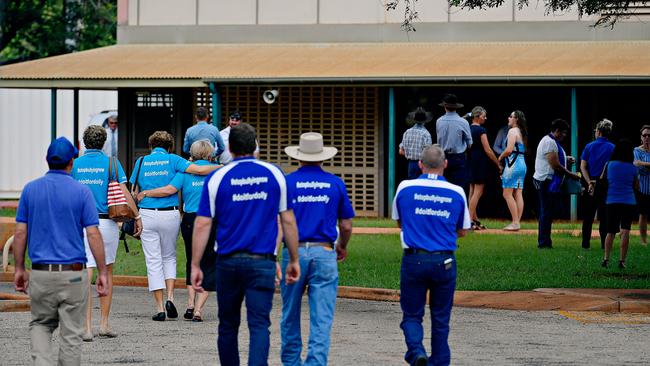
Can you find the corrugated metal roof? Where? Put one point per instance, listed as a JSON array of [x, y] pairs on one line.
[[342, 61]]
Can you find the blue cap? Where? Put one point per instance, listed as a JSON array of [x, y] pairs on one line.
[[61, 151]]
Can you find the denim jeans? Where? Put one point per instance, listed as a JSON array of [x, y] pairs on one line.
[[253, 280], [414, 170], [419, 273], [549, 203], [318, 271]]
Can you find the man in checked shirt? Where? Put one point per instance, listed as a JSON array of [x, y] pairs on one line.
[[415, 139]]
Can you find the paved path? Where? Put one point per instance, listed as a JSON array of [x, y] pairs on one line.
[[365, 333]]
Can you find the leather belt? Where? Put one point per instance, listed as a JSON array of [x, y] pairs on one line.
[[311, 244], [270, 257], [104, 216], [170, 208], [53, 267], [410, 251]]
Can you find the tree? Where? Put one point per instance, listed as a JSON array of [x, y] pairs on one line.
[[608, 11], [31, 29]]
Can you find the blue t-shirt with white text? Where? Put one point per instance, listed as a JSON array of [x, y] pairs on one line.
[[191, 186], [318, 199], [245, 197], [91, 170], [158, 170], [431, 211]]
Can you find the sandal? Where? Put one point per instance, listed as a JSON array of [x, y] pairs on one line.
[[189, 314], [479, 225], [197, 317]]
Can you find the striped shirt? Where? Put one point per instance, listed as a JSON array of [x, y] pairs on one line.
[[415, 139], [643, 172]]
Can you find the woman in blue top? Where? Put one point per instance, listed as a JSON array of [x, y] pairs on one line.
[[92, 170], [160, 216], [514, 171], [620, 202], [642, 163], [480, 152], [191, 187]]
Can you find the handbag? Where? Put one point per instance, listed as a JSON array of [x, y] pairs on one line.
[[128, 227], [572, 186], [118, 208]]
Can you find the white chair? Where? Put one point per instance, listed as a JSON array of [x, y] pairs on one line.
[[5, 253]]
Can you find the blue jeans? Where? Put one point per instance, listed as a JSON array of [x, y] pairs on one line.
[[549, 202], [456, 171], [253, 280], [318, 271], [422, 272], [414, 169]]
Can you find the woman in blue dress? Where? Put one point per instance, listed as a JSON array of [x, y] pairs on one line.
[[642, 163], [514, 171]]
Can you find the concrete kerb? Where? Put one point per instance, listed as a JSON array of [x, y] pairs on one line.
[[605, 300]]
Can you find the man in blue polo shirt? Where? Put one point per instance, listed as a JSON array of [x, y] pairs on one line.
[[321, 204], [245, 197], [592, 162], [203, 131], [432, 214], [52, 213]]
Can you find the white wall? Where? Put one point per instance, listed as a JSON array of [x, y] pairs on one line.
[[25, 130], [228, 12]]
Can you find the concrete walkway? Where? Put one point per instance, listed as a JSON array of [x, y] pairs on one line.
[[364, 333]]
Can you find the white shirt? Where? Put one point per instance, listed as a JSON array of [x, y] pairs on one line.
[[543, 169], [225, 156], [107, 145]]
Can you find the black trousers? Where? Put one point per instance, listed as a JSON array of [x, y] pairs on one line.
[[591, 205], [208, 261]]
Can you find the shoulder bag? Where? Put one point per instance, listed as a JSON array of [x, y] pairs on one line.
[[118, 208]]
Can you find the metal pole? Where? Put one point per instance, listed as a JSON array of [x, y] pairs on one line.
[[391, 148], [216, 105], [53, 113], [75, 116], [574, 148]]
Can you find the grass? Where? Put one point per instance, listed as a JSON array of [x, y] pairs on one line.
[[7, 212], [485, 262]]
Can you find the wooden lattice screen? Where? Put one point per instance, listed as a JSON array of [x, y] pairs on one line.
[[348, 118]]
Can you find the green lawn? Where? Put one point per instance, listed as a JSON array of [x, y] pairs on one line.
[[7, 212], [485, 262]]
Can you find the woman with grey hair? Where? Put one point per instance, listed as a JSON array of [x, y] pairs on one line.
[[480, 155], [191, 186], [592, 162], [92, 170], [160, 216]]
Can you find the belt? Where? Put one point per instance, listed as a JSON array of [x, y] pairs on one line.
[[53, 267], [270, 257], [170, 208], [410, 251], [311, 244], [104, 216]]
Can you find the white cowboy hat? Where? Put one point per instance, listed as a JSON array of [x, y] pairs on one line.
[[311, 148]]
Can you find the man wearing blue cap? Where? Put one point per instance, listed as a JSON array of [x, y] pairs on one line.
[[324, 216], [52, 213], [432, 214]]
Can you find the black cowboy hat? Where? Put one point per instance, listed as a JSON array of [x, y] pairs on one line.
[[419, 115], [451, 101]]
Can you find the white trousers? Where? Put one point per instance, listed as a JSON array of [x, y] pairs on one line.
[[159, 234], [111, 237]]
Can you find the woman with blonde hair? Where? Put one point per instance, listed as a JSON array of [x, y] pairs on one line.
[[160, 217], [191, 186], [514, 171]]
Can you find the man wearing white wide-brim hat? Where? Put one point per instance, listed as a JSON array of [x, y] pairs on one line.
[[324, 216]]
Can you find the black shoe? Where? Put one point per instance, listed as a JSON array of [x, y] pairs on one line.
[[547, 246], [189, 313], [621, 264], [171, 310], [160, 317], [421, 360], [605, 263]]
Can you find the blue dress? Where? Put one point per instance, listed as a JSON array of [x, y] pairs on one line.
[[515, 169]]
